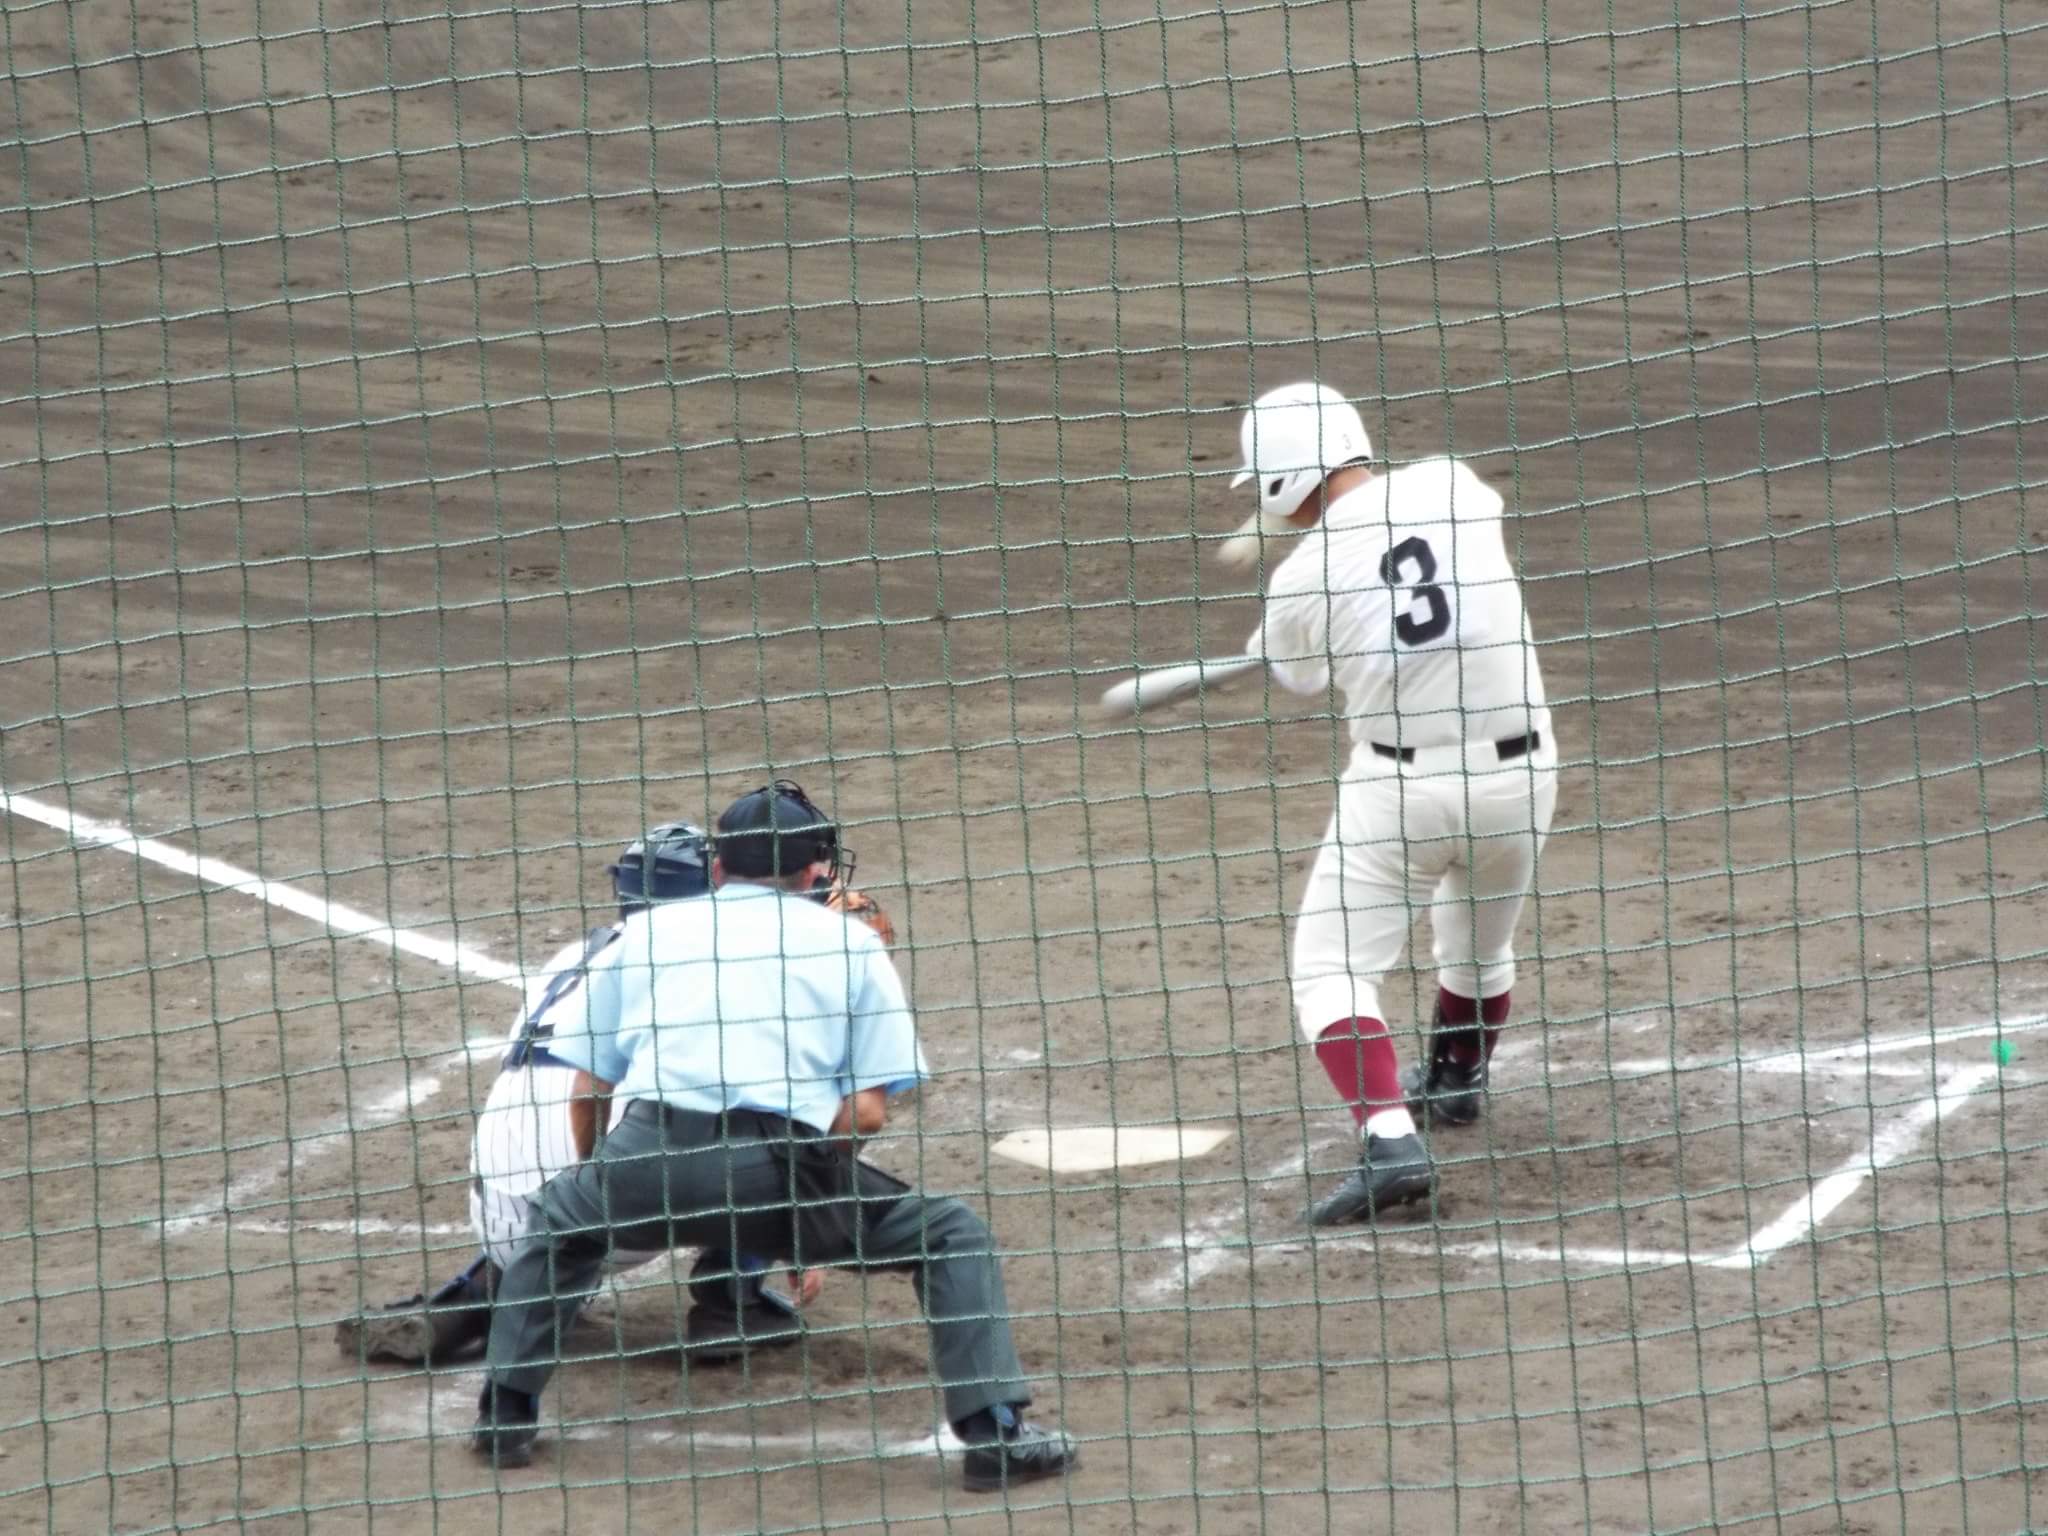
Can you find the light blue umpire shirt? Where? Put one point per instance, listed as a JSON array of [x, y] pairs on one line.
[[750, 998]]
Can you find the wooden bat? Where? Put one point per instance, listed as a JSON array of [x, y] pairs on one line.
[[1166, 685]]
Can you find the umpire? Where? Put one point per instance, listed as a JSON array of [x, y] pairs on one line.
[[752, 1037]]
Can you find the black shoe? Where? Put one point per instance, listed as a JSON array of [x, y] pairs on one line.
[[426, 1330], [1445, 1092], [1392, 1170], [507, 1424], [719, 1338], [1025, 1454]]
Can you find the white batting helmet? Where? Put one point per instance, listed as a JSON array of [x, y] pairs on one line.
[[1292, 437]]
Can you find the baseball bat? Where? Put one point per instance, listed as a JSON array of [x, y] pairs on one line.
[[1165, 685]]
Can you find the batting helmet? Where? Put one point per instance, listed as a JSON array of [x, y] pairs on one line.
[[1292, 437], [671, 862], [777, 830]]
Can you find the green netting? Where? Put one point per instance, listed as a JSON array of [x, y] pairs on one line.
[[438, 443]]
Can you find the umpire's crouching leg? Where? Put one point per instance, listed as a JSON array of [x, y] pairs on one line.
[[553, 1274], [952, 1261]]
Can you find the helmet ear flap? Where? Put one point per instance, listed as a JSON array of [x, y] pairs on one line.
[[627, 884]]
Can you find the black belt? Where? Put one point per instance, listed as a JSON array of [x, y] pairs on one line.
[[531, 1053], [737, 1123], [1509, 748]]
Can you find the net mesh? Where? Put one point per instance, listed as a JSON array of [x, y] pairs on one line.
[[437, 444]]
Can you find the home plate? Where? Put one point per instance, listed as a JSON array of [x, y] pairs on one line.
[[1091, 1148]]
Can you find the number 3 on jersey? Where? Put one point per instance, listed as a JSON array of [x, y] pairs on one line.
[[1413, 555]]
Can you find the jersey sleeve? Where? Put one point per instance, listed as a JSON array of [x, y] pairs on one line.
[[883, 1051], [586, 1020], [1293, 637], [1470, 499]]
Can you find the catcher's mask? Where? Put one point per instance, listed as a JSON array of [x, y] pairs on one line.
[[671, 862], [776, 831]]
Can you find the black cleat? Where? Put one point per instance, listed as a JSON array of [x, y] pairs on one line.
[[1392, 1170], [426, 1330], [719, 1338], [402, 1332], [507, 1424], [1445, 1092], [1024, 1455]]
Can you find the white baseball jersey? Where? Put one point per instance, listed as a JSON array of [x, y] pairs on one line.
[[522, 1136], [1403, 595]]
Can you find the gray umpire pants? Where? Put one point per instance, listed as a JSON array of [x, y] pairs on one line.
[[665, 1178]]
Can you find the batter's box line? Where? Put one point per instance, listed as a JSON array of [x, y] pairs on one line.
[[1197, 1248], [452, 1410], [1204, 1251], [1852, 1059]]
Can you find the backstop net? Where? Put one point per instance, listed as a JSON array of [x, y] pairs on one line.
[[439, 442]]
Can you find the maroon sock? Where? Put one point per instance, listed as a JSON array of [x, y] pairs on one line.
[[1360, 1059], [1494, 1012], [1455, 1018]]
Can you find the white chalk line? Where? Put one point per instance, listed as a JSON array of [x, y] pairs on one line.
[[1200, 1245], [452, 1409], [1203, 1252], [1429, 1248], [1200, 1249], [300, 1152], [347, 921], [1897, 1140], [345, 1226], [333, 915], [1850, 1060]]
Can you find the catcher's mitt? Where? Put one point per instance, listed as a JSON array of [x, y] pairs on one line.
[[863, 907]]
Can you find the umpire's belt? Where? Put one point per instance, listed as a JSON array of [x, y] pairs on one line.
[[701, 1128], [818, 1170], [1506, 750]]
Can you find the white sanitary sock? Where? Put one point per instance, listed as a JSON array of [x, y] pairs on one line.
[[1390, 1122]]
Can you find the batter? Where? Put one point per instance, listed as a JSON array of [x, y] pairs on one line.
[[1393, 597]]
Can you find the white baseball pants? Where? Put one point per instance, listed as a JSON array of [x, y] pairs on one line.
[[1456, 831], [522, 1140]]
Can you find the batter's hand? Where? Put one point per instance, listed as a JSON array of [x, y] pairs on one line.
[[805, 1284]]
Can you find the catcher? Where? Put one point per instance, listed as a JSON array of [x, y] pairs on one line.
[[542, 1117]]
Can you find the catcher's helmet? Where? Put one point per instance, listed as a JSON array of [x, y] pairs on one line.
[[1292, 437], [671, 862], [777, 830]]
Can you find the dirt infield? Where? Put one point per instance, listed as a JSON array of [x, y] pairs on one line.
[[406, 500]]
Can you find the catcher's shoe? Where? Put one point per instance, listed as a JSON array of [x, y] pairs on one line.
[[507, 1424], [1392, 1170], [1445, 1092], [426, 1330], [713, 1336], [1022, 1453]]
